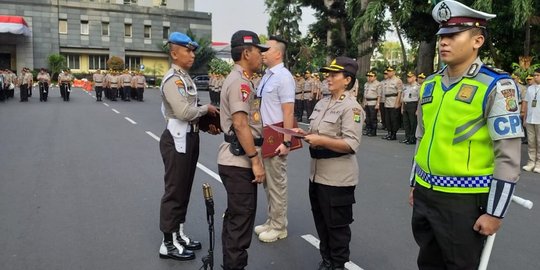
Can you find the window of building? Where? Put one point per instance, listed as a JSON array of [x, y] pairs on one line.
[[97, 61], [127, 30], [130, 2], [163, 2], [84, 28], [133, 62], [62, 26], [166, 32], [147, 31], [104, 28], [73, 61]]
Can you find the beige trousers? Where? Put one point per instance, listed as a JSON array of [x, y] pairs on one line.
[[276, 191], [533, 140]]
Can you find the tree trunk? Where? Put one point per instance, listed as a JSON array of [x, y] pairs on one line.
[[333, 20], [527, 44], [426, 56], [403, 50], [365, 47]]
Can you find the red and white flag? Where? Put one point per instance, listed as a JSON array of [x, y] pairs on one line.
[[14, 25]]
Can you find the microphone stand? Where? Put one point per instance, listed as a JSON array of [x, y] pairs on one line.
[[208, 260]]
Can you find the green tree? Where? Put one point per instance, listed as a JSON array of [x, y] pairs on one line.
[[115, 63], [57, 63], [284, 18], [203, 55], [219, 66]]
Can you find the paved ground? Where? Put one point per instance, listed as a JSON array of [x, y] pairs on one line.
[[80, 186]]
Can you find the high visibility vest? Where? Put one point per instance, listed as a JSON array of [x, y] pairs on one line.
[[456, 153]]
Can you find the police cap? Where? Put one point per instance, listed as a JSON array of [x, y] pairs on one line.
[[245, 37], [342, 64], [422, 76], [455, 17], [183, 40]]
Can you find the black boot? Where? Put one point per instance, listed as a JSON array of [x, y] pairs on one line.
[[338, 266], [185, 241], [325, 264], [392, 136], [372, 133], [386, 136], [406, 141], [171, 250]]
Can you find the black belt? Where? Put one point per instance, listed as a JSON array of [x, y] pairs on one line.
[[408, 102], [324, 153], [391, 95], [371, 99], [231, 138]]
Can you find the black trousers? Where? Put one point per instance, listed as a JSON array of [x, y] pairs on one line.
[[332, 212], [299, 106], [99, 92], [3, 93], [113, 93], [442, 225], [140, 93], [392, 119], [126, 93], [371, 118], [239, 216], [382, 111], [179, 173], [43, 91], [65, 89], [24, 92], [107, 92], [409, 119], [134, 93]]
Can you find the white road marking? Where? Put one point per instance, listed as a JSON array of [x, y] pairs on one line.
[[315, 242], [199, 165], [115, 111], [131, 121], [105, 104]]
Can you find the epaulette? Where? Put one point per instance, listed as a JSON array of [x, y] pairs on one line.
[[496, 70]]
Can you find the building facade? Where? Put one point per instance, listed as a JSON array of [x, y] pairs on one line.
[[89, 32]]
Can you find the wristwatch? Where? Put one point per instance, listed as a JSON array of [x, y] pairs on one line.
[[287, 144]]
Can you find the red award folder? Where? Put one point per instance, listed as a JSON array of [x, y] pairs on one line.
[[273, 138]]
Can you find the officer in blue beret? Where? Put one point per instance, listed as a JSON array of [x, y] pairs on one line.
[[179, 147], [468, 146]]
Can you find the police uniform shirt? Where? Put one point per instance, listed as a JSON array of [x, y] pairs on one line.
[[299, 83], [43, 77], [392, 86], [98, 79], [180, 96], [238, 95], [372, 90], [139, 81], [126, 79], [410, 92], [114, 81], [338, 119], [507, 159], [308, 87], [383, 98]]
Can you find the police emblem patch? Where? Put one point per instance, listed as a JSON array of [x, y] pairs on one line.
[[179, 83], [466, 93], [510, 99], [357, 115], [245, 90], [444, 14]]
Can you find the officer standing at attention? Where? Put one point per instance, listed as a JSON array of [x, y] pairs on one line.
[[179, 147], [25, 82], [334, 134], [408, 108], [372, 98], [98, 84], [140, 83], [420, 78], [68, 79], [114, 84], [299, 97], [382, 109], [276, 92], [240, 164], [468, 155], [126, 85], [44, 80], [392, 88], [308, 87]]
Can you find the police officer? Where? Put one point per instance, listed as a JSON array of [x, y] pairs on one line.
[[114, 83], [468, 155], [139, 82], [522, 93], [308, 88], [372, 98], [44, 79], [25, 82], [420, 78], [98, 79], [382, 110], [392, 88], [64, 81], [179, 147], [299, 97], [125, 81], [409, 102], [240, 164], [3, 89], [334, 134]]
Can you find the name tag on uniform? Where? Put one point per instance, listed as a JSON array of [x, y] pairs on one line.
[[533, 104]]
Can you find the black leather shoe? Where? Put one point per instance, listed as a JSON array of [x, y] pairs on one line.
[[193, 245], [325, 264], [406, 141], [411, 141], [386, 136], [169, 251], [392, 137]]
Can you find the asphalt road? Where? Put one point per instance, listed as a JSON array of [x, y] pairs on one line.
[[80, 187]]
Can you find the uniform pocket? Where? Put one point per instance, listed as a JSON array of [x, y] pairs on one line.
[[341, 213]]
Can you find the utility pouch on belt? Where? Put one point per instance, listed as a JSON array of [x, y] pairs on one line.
[[235, 147]]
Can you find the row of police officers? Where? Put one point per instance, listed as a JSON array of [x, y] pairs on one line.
[[116, 84]]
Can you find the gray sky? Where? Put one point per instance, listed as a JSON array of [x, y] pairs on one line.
[[229, 16]]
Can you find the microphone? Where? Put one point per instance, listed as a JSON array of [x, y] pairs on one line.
[[208, 199]]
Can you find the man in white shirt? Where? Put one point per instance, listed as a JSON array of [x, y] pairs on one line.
[[532, 121], [276, 89]]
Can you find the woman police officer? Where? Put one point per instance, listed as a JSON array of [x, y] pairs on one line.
[[334, 135]]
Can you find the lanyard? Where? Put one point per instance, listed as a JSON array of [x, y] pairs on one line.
[[259, 94]]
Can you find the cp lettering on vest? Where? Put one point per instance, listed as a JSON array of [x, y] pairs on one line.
[[504, 127]]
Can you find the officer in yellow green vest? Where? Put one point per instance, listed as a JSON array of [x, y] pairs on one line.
[[468, 151]]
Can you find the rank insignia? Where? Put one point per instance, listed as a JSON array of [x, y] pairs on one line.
[[179, 83], [256, 117], [245, 90], [342, 97], [466, 93]]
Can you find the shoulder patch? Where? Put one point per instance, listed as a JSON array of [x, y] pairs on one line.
[[503, 120], [179, 83], [245, 90], [357, 115]]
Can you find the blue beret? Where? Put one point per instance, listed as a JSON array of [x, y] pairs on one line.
[[183, 40]]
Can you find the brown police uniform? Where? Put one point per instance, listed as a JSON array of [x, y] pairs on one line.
[[372, 93], [334, 176], [238, 95], [98, 79], [299, 98], [392, 88], [44, 79], [410, 103]]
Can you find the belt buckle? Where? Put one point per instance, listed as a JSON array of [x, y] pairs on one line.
[[194, 127]]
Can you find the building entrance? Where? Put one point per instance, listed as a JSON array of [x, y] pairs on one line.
[[5, 61]]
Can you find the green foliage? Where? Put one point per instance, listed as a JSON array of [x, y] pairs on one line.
[[57, 63], [220, 66], [284, 18], [154, 70], [115, 63], [203, 55], [521, 72]]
